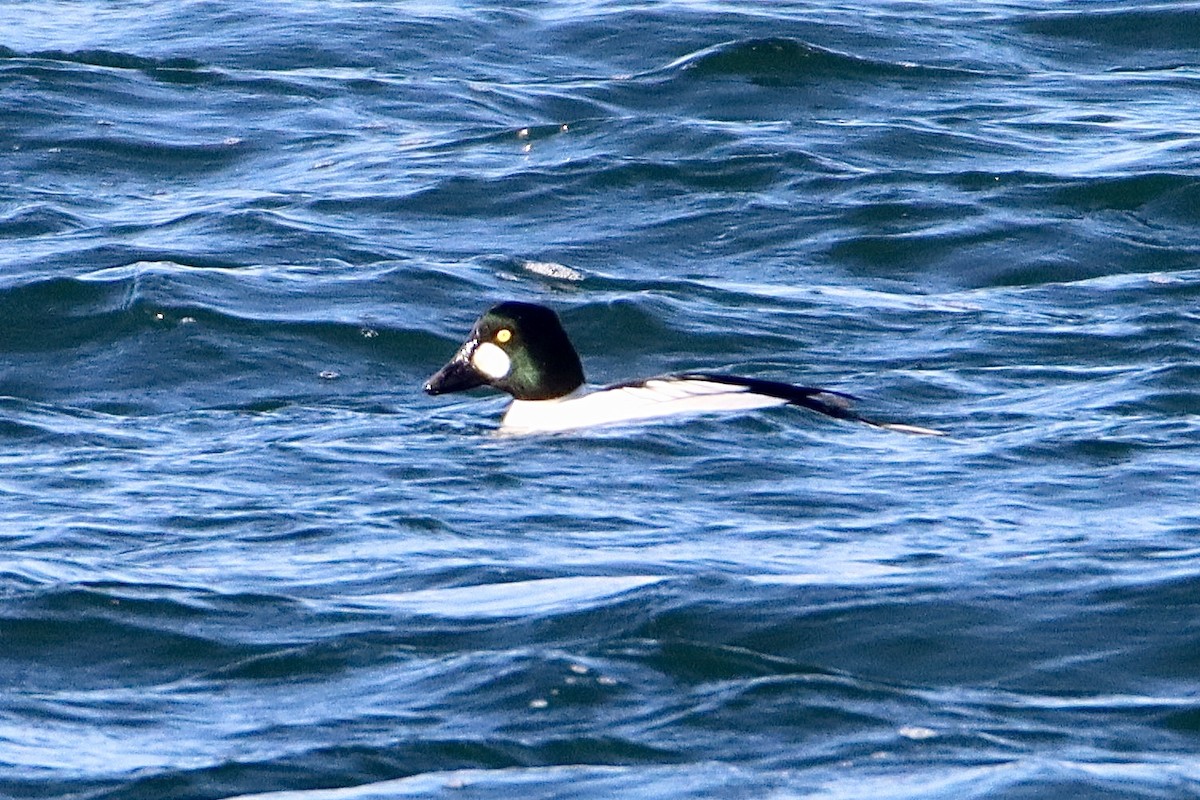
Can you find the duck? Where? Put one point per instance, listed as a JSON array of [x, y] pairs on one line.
[[523, 349]]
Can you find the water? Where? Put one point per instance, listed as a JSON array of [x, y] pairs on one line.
[[243, 554]]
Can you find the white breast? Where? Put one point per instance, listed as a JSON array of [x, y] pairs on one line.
[[654, 398]]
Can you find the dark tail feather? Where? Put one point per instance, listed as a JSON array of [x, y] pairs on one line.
[[824, 401]]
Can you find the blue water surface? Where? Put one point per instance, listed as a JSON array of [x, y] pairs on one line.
[[242, 554]]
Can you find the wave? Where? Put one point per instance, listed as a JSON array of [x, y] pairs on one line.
[[38, 219], [785, 61], [1154, 27], [173, 70], [512, 599]]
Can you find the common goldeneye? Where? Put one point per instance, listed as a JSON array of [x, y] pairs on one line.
[[522, 349]]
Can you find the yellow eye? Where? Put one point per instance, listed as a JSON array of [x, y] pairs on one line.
[[503, 335]]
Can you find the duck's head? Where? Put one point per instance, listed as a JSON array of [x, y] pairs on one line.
[[519, 348]]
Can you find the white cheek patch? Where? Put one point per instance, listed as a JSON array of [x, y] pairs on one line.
[[491, 361]]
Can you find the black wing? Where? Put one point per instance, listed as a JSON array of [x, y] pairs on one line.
[[824, 401]]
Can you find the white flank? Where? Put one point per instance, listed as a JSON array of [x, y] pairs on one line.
[[491, 360], [654, 398]]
